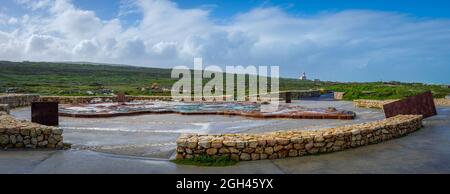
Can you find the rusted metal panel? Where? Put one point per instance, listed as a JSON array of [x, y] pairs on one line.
[[288, 97], [45, 113], [422, 104], [121, 99]]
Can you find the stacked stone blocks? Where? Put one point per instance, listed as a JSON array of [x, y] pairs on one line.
[[244, 147]]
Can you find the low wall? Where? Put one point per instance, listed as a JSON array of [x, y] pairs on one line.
[[339, 95], [18, 100], [295, 143], [380, 103], [442, 102], [24, 134], [97, 99], [298, 94], [372, 103]]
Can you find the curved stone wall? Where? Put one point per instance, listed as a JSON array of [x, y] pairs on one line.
[[24, 134], [295, 143], [380, 103], [372, 103]]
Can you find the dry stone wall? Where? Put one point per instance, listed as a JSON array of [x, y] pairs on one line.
[[24, 134], [295, 143], [372, 103], [380, 103], [18, 100], [97, 99]]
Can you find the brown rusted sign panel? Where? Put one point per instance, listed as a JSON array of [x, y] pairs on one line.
[[422, 104], [45, 113]]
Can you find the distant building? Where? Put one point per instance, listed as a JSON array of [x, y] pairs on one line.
[[303, 77]]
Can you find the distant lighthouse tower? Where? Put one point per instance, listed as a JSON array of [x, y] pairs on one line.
[[303, 77]]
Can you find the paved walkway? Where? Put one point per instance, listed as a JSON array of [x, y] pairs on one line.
[[425, 151]]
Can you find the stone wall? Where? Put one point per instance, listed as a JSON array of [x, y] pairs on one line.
[[18, 100], [97, 99], [379, 103], [442, 102], [338, 95], [24, 134], [295, 143], [372, 103]]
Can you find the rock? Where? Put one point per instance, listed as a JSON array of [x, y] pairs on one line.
[[4, 139], [57, 131], [52, 140], [229, 143], [19, 139], [271, 142], [12, 139], [282, 141], [224, 151], [34, 141], [319, 145], [262, 143], [211, 151], [47, 131], [234, 150], [277, 148], [60, 145], [252, 143], [33, 133], [42, 143], [13, 130], [25, 132], [192, 144], [240, 144], [283, 154], [58, 137], [40, 138], [204, 144], [248, 150], [234, 157], [309, 145], [299, 146], [216, 144], [255, 156], [297, 140], [245, 156], [318, 139], [263, 156], [293, 153], [268, 150], [182, 143], [313, 150]]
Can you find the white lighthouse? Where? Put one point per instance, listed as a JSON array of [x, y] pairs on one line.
[[303, 77]]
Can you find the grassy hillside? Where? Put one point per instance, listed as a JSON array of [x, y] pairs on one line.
[[73, 79]]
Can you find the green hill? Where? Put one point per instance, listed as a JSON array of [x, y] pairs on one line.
[[78, 79]]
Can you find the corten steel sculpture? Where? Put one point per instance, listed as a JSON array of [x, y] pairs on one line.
[[288, 97], [45, 113], [422, 104], [121, 98]]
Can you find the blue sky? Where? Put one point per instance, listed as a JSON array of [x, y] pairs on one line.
[[345, 40]]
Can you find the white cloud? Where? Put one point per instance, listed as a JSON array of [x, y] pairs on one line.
[[346, 45]]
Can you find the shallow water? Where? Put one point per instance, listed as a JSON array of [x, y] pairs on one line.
[[154, 135]]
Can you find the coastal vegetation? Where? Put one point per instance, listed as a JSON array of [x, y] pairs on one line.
[[88, 79]]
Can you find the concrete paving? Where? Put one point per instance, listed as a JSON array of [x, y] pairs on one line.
[[425, 151]]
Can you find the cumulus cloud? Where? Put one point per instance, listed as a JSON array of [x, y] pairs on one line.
[[350, 45]]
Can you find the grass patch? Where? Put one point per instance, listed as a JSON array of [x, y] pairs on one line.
[[206, 161]]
